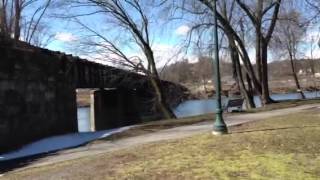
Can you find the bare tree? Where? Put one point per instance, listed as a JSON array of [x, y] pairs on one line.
[[259, 15], [236, 47], [263, 20], [246, 92], [14, 21], [315, 5], [42, 35], [128, 16], [314, 39], [288, 35], [204, 71], [230, 41]]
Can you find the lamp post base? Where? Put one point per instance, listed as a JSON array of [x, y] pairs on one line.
[[219, 133], [220, 130], [219, 127]]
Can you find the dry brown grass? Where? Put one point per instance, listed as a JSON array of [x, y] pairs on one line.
[[286, 147]]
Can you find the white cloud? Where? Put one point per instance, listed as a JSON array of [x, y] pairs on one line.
[[65, 37], [315, 53], [312, 37], [310, 43], [182, 30], [164, 54], [168, 54]]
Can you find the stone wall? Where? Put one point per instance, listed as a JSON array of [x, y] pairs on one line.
[[37, 97], [115, 108], [37, 91], [119, 107]]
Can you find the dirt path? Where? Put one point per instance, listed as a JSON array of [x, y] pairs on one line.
[[168, 134]]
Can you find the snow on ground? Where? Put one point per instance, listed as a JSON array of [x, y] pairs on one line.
[[59, 142]]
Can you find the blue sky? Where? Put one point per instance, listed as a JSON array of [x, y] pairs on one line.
[[166, 36]]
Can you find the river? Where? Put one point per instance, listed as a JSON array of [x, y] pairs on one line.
[[195, 107]]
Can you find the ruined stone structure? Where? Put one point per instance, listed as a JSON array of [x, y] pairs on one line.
[[115, 108], [37, 91], [37, 97]]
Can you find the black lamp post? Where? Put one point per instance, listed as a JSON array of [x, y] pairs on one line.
[[219, 125]]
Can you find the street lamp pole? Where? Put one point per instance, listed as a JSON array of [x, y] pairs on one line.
[[219, 126]]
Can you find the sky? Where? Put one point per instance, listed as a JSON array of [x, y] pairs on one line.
[[167, 37]]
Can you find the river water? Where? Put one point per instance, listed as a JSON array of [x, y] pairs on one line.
[[83, 119], [198, 107], [195, 107]]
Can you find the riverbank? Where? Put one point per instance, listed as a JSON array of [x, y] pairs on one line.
[[249, 151], [279, 85]]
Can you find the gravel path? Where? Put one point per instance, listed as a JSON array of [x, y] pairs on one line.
[[168, 134]]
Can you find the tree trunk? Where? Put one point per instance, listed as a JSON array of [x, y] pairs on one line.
[[258, 55], [17, 18], [161, 102], [248, 96], [256, 17], [262, 67], [259, 36], [259, 62], [3, 21], [249, 82], [250, 89], [296, 80], [246, 60], [264, 79]]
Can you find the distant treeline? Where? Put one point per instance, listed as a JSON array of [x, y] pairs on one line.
[[185, 72]]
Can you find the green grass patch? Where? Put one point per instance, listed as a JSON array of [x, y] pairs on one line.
[[286, 147]]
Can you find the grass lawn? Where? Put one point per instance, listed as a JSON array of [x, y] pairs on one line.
[[286, 147]]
